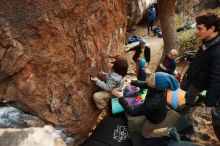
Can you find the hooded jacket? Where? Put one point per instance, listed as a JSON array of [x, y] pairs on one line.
[[151, 14], [112, 80]]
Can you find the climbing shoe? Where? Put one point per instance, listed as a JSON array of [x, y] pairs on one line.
[[172, 132]]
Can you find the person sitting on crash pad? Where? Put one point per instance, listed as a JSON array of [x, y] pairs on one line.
[[159, 120]]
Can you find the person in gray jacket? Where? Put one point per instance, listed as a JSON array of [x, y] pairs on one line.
[[204, 70], [113, 79]]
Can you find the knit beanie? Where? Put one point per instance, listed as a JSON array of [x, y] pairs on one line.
[[142, 63], [165, 81], [142, 42]]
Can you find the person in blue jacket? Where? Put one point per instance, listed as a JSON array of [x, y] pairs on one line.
[[151, 16]]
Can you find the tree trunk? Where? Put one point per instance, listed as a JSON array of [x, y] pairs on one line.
[[166, 10]]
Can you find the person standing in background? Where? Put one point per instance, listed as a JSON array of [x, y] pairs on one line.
[[151, 16]]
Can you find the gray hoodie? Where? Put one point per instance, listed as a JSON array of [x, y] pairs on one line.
[[112, 80]]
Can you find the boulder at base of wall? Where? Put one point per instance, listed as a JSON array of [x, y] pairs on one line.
[[45, 136], [11, 117]]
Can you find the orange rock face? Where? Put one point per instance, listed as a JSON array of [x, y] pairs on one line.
[[49, 50]]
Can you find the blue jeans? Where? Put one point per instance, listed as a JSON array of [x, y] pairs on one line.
[[142, 77]]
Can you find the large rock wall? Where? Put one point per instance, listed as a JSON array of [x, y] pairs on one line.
[[48, 51], [136, 10]]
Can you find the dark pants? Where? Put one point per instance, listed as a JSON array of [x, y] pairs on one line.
[[142, 77], [191, 91], [150, 25], [216, 126]]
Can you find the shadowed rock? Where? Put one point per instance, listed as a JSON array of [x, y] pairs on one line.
[[30, 137]]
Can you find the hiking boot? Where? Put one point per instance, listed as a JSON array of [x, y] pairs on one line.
[[172, 132]]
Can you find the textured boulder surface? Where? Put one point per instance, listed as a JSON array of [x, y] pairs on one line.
[[11, 117], [136, 10], [49, 50], [30, 137]]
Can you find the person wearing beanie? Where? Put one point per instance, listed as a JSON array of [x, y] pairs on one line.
[[157, 122], [165, 81], [141, 51]]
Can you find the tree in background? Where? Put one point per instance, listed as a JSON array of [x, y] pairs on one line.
[[166, 10]]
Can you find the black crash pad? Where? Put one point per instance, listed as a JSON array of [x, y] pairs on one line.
[[183, 143], [111, 131], [93, 142]]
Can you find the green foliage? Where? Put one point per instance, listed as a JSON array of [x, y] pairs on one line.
[[216, 11], [187, 41], [179, 20], [187, 13]]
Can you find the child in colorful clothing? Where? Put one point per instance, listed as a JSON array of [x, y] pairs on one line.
[[141, 72], [114, 79]]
